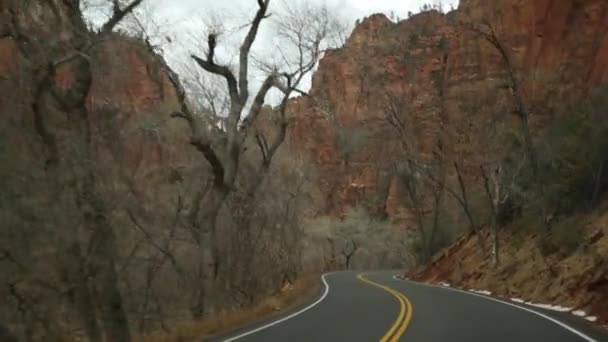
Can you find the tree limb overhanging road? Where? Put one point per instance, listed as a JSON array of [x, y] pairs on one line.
[[376, 306]]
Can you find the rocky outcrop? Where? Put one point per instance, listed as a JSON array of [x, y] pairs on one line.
[[134, 140], [128, 103], [559, 50]]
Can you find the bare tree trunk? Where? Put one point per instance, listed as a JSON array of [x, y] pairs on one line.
[[349, 255], [75, 271], [437, 196], [493, 200], [598, 182], [61, 161], [25, 313], [6, 335], [330, 264], [347, 262], [113, 315], [495, 237], [495, 249], [204, 223], [86, 307], [91, 273], [101, 251], [95, 276], [412, 192], [209, 261], [521, 109], [204, 285], [466, 207], [112, 312], [223, 154], [151, 272], [99, 264]]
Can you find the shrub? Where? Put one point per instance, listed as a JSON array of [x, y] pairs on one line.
[[566, 237], [357, 231], [571, 155], [437, 238], [349, 140]]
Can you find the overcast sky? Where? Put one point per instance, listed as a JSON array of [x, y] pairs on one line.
[[350, 8], [178, 26], [186, 17]]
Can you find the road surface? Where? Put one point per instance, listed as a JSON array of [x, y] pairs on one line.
[[375, 306]]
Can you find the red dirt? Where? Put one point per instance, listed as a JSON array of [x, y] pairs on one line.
[[578, 279]]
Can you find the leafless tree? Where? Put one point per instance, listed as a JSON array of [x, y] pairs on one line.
[[104, 315], [499, 189], [487, 31], [223, 148], [347, 236], [423, 178]]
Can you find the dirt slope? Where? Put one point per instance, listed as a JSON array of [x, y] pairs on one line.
[[577, 279]]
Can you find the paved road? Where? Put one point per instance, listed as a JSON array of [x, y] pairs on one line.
[[374, 306]]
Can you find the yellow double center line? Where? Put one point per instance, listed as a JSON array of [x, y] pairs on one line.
[[405, 312]]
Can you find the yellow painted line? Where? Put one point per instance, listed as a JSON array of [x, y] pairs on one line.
[[406, 322], [405, 312]]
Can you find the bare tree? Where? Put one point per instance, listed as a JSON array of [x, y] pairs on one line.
[[6, 334], [347, 236], [71, 156], [424, 175], [223, 148], [487, 31], [423, 178], [494, 197]]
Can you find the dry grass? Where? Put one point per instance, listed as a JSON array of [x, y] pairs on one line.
[[303, 288]]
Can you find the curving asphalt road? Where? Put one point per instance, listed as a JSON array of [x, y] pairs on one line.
[[375, 306]]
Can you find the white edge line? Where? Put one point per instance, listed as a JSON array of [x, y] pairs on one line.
[[563, 325], [250, 332]]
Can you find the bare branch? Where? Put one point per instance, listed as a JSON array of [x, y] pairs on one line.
[[246, 48], [7, 255], [181, 116], [258, 102], [280, 137], [211, 43], [165, 251], [221, 71], [263, 145], [198, 139], [213, 159], [118, 14]]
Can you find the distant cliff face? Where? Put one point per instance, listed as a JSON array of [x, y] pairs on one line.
[[431, 64], [564, 39]]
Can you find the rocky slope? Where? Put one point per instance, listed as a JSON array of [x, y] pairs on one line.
[[577, 280], [560, 49]]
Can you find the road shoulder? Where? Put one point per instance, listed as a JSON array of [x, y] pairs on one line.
[[310, 296], [586, 330]]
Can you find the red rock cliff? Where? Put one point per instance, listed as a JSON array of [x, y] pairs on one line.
[[141, 156], [559, 47]]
